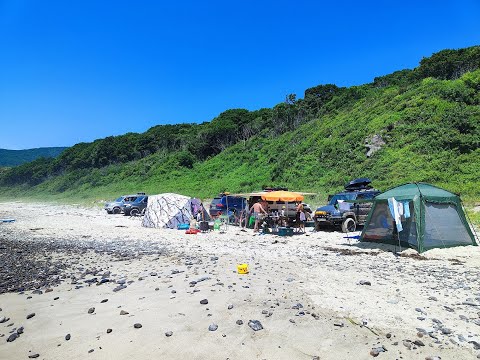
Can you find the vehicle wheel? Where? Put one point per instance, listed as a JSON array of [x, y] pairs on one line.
[[134, 212], [348, 225], [116, 210], [109, 212]]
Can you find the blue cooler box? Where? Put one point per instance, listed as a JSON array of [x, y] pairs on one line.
[[284, 231]]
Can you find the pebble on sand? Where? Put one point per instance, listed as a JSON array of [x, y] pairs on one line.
[[33, 356], [213, 327], [91, 310], [67, 337], [168, 333], [12, 337], [255, 325], [29, 316], [137, 326], [109, 331], [204, 302]]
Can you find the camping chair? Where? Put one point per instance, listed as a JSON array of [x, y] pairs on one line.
[[223, 219]]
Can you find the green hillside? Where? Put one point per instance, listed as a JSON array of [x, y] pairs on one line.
[[10, 158], [425, 123]]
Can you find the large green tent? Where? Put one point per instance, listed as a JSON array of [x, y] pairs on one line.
[[431, 218]]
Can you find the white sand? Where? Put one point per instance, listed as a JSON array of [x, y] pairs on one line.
[[319, 270]]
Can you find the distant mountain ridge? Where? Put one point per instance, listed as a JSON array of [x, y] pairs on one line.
[[9, 158]]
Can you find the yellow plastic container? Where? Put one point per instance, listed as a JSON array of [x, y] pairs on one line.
[[242, 268]]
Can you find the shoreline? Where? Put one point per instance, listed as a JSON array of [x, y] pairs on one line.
[[314, 294]]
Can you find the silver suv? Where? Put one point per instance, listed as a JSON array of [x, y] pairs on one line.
[[116, 206]]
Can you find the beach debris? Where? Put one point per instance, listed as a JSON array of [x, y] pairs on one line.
[[433, 358], [33, 356], [168, 333], [91, 310], [123, 312], [20, 330], [103, 301], [239, 322], [137, 325], [213, 327], [68, 337], [230, 307], [3, 319], [90, 351], [109, 331], [204, 302], [29, 316], [255, 325]]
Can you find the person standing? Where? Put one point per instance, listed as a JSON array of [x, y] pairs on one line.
[[297, 215], [257, 210]]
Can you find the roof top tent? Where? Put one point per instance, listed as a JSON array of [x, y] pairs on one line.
[[431, 217]]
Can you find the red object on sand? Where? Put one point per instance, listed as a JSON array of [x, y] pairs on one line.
[[192, 231]]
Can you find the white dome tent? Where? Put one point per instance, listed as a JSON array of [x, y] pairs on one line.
[[167, 211]]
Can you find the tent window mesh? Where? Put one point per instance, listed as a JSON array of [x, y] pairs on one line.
[[443, 226], [380, 226]]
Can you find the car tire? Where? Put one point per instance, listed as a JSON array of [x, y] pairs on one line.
[[134, 212], [349, 225], [116, 210]]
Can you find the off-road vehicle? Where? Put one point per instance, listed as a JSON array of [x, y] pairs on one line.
[[348, 209]]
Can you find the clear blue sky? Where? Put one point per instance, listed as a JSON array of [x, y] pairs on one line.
[[74, 71]]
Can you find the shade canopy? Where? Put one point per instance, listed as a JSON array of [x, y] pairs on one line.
[[282, 196], [430, 217]]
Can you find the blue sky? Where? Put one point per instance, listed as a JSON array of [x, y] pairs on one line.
[[75, 71]]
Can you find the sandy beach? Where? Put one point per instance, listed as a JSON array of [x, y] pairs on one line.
[[77, 283]]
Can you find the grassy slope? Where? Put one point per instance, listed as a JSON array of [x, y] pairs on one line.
[[319, 156]]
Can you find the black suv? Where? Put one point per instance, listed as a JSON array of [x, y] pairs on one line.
[[136, 207], [347, 209]]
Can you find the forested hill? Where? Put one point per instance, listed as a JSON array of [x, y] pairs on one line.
[[413, 125], [17, 157]]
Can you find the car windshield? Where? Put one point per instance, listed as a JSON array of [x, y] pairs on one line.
[[337, 197], [120, 199]]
